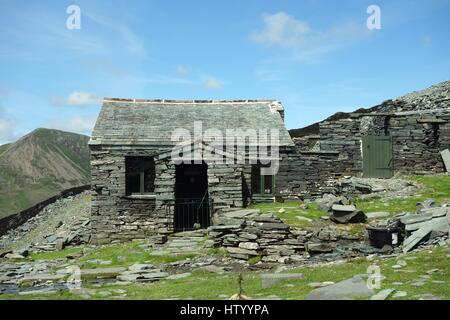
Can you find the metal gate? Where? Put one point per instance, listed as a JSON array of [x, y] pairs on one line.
[[192, 214], [377, 157]]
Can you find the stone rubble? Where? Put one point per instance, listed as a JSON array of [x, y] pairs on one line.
[[63, 223]]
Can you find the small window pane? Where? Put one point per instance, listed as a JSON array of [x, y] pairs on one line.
[[138, 168], [261, 184]]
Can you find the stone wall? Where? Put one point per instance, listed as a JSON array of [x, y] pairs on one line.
[[417, 142], [116, 216], [417, 146], [343, 136], [305, 174]]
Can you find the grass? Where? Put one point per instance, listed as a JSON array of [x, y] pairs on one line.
[[292, 210], [206, 286], [433, 187], [119, 255]]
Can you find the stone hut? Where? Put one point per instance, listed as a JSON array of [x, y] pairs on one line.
[[161, 166], [371, 145]]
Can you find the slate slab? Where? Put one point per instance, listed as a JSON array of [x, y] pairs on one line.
[[344, 290], [445, 154]]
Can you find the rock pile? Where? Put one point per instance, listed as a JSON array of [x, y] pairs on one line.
[[63, 223], [247, 233], [340, 208], [431, 225]]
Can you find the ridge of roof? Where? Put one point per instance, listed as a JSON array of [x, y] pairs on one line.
[[170, 101]]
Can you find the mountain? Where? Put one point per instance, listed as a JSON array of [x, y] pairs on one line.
[[39, 165], [434, 97]]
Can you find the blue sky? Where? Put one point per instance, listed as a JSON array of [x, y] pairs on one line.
[[316, 56]]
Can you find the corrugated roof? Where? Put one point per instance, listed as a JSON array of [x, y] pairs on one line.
[[138, 121]]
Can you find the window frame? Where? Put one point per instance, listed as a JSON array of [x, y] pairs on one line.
[[262, 180], [141, 171]]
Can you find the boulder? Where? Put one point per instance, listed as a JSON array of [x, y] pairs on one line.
[[14, 256], [138, 267], [347, 214], [322, 247], [345, 290]]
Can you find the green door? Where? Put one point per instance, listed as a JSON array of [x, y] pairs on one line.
[[377, 157]]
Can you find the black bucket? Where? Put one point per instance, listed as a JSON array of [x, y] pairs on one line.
[[379, 237]]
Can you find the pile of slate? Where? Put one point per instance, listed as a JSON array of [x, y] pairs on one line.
[[340, 208], [248, 233], [62, 223], [142, 272], [429, 225]]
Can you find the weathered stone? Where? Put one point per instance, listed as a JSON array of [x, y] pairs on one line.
[[377, 215], [382, 295], [249, 245], [138, 267], [103, 272], [318, 247], [41, 277], [348, 289]]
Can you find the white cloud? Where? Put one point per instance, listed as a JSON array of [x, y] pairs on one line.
[[213, 84], [77, 124], [77, 98], [283, 30], [306, 44], [183, 71], [7, 128]]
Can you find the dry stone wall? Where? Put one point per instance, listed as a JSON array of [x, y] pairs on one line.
[[417, 146]]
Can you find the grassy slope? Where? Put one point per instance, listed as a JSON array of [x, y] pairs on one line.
[[19, 190], [3, 147], [203, 285], [434, 187]]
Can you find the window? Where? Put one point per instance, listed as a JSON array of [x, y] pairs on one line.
[[262, 184], [140, 175]]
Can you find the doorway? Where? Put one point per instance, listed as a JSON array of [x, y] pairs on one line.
[[192, 205], [377, 157]]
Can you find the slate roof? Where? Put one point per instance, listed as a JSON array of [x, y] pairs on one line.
[[151, 122]]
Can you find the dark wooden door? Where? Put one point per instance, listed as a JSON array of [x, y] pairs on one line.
[[377, 157]]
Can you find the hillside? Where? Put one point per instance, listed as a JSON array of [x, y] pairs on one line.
[[434, 97], [39, 165]]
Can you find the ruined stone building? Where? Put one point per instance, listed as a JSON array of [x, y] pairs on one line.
[[140, 189], [405, 135], [137, 187]]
